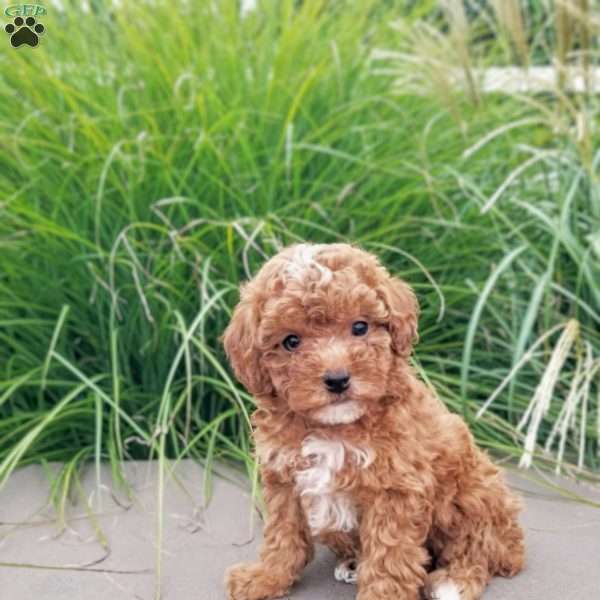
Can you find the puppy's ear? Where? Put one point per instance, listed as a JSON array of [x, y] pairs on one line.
[[403, 312], [241, 346]]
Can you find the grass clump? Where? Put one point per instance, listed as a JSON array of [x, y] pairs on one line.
[[152, 159]]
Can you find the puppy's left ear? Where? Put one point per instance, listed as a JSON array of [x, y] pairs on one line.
[[240, 340], [403, 312]]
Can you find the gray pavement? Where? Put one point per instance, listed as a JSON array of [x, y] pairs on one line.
[[563, 539]]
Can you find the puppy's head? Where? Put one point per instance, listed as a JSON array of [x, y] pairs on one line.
[[318, 330]]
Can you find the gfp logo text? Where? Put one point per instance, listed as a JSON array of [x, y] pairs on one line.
[[25, 10]]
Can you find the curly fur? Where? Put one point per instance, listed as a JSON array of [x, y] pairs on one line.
[[383, 474]]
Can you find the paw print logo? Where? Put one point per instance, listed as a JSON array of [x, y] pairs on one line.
[[24, 31]]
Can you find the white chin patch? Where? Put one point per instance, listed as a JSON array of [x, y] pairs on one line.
[[446, 591], [341, 413]]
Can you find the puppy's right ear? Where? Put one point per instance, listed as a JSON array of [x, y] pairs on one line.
[[403, 312], [241, 346]]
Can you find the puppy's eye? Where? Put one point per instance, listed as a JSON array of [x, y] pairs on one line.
[[360, 328], [291, 342]]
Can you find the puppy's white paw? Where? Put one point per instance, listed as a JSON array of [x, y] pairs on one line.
[[446, 590], [346, 571]]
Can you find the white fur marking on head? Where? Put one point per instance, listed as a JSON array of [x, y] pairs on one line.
[[325, 508], [447, 590], [303, 260], [339, 414]]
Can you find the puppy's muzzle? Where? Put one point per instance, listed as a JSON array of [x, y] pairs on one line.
[[336, 381]]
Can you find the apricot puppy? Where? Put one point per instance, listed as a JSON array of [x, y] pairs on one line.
[[354, 451]]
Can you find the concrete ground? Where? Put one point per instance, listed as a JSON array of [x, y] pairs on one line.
[[39, 559]]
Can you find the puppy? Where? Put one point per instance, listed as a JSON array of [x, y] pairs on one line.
[[354, 451]]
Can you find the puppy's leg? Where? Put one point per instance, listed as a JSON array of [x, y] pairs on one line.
[[468, 561], [393, 557], [346, 548], [484, 539], [285, 551]]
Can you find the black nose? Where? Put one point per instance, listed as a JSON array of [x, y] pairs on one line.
[[336, 381]]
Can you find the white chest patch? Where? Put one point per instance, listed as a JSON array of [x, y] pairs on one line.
[[327, 509]]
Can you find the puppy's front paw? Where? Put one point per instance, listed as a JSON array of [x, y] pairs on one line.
[[253, 581], [438, 586], [443, 591], [384, 588], [346, 571]]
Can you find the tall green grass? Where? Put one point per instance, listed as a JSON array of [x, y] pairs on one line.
[[152, 156]]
